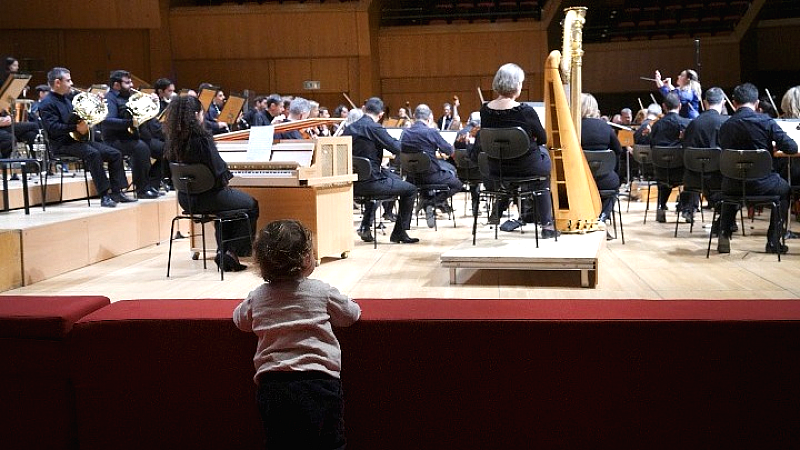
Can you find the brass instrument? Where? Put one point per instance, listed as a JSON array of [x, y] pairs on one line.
[[576, 199], [142, 107], [90, 108]]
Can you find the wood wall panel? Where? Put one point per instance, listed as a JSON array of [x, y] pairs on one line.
[[617, 67], [91, 14], [260, 34]]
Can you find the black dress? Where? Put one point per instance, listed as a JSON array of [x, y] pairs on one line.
[[596, 134], [201, 149]]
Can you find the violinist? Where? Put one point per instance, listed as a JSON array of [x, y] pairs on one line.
[[121, 131], [299, 109], [465, 139], [642, 134], [274, 110]]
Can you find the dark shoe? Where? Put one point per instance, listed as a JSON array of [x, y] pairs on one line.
[[548, 233], [688, 215], [229, 263], [774, 248], [119, 197], [445, 208], [390, 217], [108, 202], [365, 235], [661, 215], [494, 219], [148, 194], [403, 239], [14, 177], [430, 216], [510, 225], [724, 243]]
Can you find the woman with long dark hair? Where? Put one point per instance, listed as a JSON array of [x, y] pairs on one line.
[[189, 142]]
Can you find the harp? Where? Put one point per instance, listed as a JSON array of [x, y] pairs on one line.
[[575, 197]]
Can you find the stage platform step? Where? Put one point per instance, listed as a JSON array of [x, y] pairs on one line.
[[518, 252], [73, 189], [71, 235]]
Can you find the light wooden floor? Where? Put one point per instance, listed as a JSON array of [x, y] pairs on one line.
[[652, 265]]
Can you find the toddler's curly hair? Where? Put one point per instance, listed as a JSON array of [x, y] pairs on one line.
[[281, 250]]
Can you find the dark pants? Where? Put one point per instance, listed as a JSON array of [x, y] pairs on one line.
[[301, 410], [771, 185], [389, 186], [712, 182], [139, 154], [23, 132], [446, 176], [227, 199], [543, 205], [667, 179], [94, 154]]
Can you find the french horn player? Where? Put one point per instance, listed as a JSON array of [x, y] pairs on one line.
[[58, 121], [127, 110]]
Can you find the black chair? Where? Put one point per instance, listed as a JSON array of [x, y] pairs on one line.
[[192, 180], [502, 144], [602, 163], [363, 169], [745, 166], [59, 159], [643, 155], [668, 165], [704, 161], [468, 172], [26, 166], [416, 165]]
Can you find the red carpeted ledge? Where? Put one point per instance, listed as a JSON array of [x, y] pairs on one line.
[[459, 309], [44, 317]]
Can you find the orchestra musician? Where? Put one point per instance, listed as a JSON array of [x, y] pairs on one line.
[[748, 130], [465, 140], [212, 122], [503, 112], [299, 109], [422, 138], [403, 121], [256, 116], [597, 134], [369, 141], [23, 131], [790, 105], [703, 132], [59, 121], [121, 131], [668, 132], [188, 141], [152, 131], [688, 91], [446, 120]]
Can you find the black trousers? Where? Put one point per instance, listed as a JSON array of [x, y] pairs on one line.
[[227, 199], [389, 186], [94, 154], [771, 185], [139, 154], [301, 410]]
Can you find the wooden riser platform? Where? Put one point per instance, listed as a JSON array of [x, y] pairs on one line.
[[73, 189], [72, 235], [572, 252]]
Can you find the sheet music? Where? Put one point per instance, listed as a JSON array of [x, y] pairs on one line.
[[395, 132], [791, 127], [300, 152], [259, 147], [449, 136]]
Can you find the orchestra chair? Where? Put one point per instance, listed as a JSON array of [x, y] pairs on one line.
[[602, 163], [746, 166], [502, 144], [363, 170], [704, 161], [469, 174], [414, 166], [642, 154], [193, 180], [26, 166], [58, 160], [668, 168]]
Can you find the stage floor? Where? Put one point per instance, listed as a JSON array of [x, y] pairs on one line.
[[651, 265]]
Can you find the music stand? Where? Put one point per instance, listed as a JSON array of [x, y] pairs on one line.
[[9, 92], [206, 97], [230, 112]]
